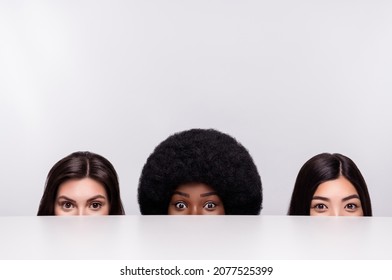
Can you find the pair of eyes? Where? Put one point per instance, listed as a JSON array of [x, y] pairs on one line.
[[351, 207], [68, 205], [209, 205]]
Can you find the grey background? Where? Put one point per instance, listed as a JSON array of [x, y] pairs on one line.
[[288, 79]]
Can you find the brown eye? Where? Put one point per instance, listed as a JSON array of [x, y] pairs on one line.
[[180, 205], [320, 207], [209, 205], [96, 205], [67, 205], [351, 206]]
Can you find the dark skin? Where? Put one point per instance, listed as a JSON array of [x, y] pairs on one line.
[[195, 199]]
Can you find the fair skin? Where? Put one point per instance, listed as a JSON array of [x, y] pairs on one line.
[[336, 198], [195, 199], [81, 197]]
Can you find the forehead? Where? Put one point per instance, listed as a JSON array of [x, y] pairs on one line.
[[195, 189], [80, 188], [340, 187]]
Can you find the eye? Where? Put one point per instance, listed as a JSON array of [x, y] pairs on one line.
[[67, 205], [180, 205], [96, 205], [320, 207], [209, 205], [351, 206]]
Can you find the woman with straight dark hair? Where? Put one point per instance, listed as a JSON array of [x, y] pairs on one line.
[[330, 185], [82, 183]]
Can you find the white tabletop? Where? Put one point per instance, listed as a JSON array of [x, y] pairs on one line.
[[195, 237]]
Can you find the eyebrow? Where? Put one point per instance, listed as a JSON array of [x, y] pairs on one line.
[[181, 193], [90, 199], [343, 199], [208, 194], [350, 197], [320, 198], [66, 198], [201, 195]]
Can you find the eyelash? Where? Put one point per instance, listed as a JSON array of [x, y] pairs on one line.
[[176, 204], [180, 202], [325, 207], [96, 202], [67, 208], [63, 205], [353, 204], [210, 202], [316, 207]]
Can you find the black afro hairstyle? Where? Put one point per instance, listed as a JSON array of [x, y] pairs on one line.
[[204, 156]]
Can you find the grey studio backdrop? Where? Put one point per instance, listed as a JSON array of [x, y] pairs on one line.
[[288, 79]]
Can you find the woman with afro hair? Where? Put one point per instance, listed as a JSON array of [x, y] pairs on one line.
[[197, 172]]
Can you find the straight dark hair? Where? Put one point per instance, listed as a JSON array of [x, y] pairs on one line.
[[81, 165], [319, 169]]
